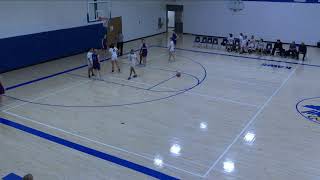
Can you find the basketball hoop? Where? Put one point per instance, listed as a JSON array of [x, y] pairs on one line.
[[236, 5]]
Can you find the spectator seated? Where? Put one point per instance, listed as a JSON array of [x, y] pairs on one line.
[[292, 51], [268, 49], [196, 41], [278, 47], [302, 50], [215, 41], [236, 45], [261, 46], [204, 41], [230, 43], [251, 46], [224, 42]]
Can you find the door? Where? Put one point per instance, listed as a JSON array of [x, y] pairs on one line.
[[177, 10], [114, 28]]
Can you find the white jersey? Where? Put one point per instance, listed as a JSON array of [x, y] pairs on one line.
[[132, 59], [230, 40], [241, 39], [251, 44], [89, 59], [171, 46], [261, 45], [114, 53], [244, 43]]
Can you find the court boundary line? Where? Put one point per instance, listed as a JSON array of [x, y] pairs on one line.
[[56, 74], [43, 78], [161, 82], [152, 46], [172, 90], [177, 90], [98, 142], [250, 122], [244, 57], [132, 103], [196, 94], [82, 137], [45, 96], [63, 72], [89, 151]]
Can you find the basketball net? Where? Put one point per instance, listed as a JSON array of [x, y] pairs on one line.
[[236, 5]]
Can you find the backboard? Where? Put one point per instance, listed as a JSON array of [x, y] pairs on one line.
[[97, 10]]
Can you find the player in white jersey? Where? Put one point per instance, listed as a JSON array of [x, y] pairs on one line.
[[114, 57], [132, 57], [90, 63], [171, 49]]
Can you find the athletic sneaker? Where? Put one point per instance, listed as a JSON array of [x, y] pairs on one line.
[[129, 78], [134, 76]]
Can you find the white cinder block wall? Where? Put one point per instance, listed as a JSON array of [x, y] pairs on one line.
[[20, 17], [268, 20], [139, 18]]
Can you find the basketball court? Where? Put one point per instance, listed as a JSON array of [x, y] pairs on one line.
[[228, 116]]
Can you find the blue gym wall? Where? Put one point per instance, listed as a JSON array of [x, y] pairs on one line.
[[36, 31], [26, 50]]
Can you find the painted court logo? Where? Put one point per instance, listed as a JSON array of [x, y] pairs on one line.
[[275, 66], [310, 109]]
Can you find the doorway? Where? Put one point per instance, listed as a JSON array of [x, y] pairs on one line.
[[171, 19], [175, 18]]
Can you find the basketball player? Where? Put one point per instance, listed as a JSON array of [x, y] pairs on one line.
[[2, 91], [96, 63], [174, 37], [171, 49], [114, 57], [27, 177], [132, 57], [90, 63], [120, 44], [104, 42], [143, 52]]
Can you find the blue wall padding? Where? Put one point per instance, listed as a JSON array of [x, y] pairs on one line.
[[26, 50], [288, 1]]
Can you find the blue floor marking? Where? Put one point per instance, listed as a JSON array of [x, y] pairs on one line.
[[110, 82], [302, 113], [43, 78], [89, 151], [56, 74], [136, 87], [245, 57], [166, 80], [12, 176], [222, 54], [70, 70], [176, 93], [112, 105]]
